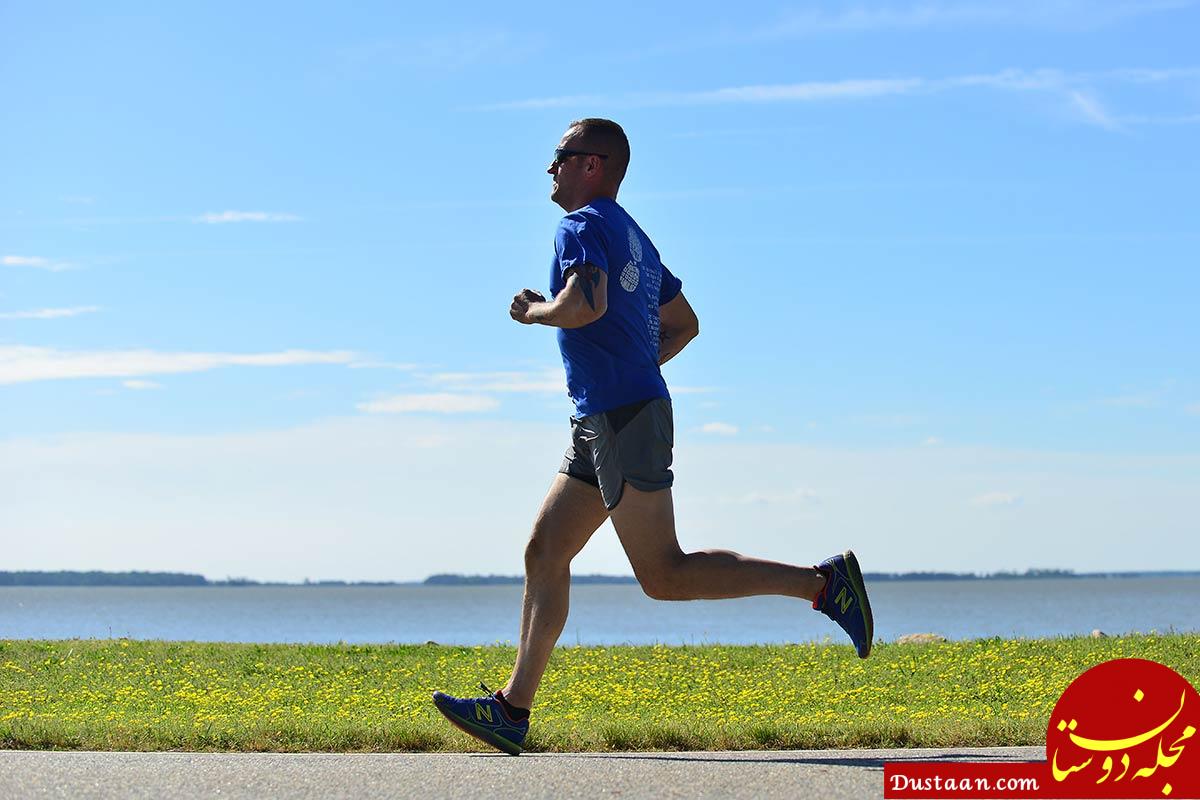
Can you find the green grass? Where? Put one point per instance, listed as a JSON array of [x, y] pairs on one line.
[[151, 695]]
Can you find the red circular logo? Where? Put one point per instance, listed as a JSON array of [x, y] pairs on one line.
[[1126, 728]]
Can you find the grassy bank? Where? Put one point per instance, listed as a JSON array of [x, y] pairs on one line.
[[150, 695]]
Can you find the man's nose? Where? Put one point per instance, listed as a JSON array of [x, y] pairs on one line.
[[553, 168]]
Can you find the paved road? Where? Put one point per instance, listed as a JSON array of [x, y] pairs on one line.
[[831, 774]]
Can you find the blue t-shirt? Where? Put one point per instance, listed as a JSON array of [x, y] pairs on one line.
[[613, 361]]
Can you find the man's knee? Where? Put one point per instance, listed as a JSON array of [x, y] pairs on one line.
[[662, 582], [541, 553]]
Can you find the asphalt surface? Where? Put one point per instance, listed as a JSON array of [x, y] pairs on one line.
[[828, 774]]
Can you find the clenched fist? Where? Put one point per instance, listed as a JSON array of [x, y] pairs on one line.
[[519, 310]]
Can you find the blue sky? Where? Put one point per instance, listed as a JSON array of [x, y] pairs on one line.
[[255, 266]]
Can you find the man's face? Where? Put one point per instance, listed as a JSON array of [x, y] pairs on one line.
[[569, 174]]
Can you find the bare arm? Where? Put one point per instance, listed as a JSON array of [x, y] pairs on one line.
[[677, 326], [582, 301]]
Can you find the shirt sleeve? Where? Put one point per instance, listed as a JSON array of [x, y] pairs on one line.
[[671, 287], [579, 242]]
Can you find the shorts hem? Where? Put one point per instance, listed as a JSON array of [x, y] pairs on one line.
[[650, 486], [591, 480]]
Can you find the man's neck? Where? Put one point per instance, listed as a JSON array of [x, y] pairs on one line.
[[592, 198]]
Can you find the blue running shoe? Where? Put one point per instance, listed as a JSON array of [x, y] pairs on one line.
[[485, 719], [844, 600]]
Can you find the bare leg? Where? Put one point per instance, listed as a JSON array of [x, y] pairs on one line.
[[645, 523], [570, 514]]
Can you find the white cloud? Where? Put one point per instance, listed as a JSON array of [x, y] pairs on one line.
[[435, 403], [1091, 109], [37, 262], [214, 218], [1193, 409], [797, 92], [1064, 14], [1074, 88], [767, 93], [932, 441], [50, 313], [141, 385], [719, 428], [996, 500], [23, 261], [381, 365], [23, 364]]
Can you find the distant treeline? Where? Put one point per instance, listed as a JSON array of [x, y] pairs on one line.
[[101, 579], [974, 576], [496, 580], [96, 578]]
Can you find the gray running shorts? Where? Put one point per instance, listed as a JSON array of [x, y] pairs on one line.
[[630, 443]]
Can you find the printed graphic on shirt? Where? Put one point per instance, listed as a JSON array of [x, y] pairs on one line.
[[632, 273], [653, 288], [630, 276], [635, 245]]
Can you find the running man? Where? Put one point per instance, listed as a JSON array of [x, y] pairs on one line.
[[620, 315]]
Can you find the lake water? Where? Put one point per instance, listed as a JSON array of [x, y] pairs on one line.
[[600, 614]]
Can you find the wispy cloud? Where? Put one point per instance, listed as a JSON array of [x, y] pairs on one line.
[[1077, 90], [1193, 409], [141, 385], [49, 313], [811, 91], [219, 218], [22, 364], [857, 19], [996, 500], [37, 262], [719, 428], [442, 403], [1091, 109], [1062, 15], [403, 366]]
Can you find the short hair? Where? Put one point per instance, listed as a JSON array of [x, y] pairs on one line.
[[605, 136]]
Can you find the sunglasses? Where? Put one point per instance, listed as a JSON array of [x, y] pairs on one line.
[[561, 154]]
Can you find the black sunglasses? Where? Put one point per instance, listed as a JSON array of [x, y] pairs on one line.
[[561, 154]]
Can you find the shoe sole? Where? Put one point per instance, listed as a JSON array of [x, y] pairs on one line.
[[482, 734], [860, 589]]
